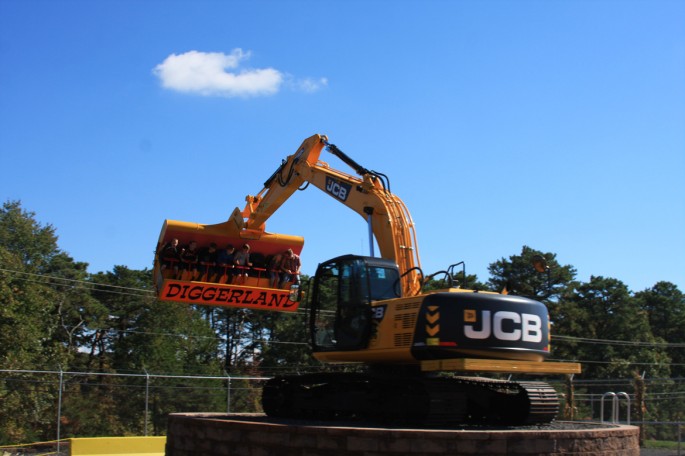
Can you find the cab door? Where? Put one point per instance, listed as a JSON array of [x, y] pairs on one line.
[[341, 305]]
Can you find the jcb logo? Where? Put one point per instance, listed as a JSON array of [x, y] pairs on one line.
[[525, 327], [378, 312], [337, 189]]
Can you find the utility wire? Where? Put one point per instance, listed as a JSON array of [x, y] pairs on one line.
[[617, 342], [94, 286], [84, 283], [617, 362]]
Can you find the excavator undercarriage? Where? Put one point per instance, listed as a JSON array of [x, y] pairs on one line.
[[420, 400]]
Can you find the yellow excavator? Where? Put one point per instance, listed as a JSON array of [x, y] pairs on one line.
[[420, 349]]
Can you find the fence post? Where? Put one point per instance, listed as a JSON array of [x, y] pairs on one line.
[[640, 406], [228, 393], [59, 409], [570, 405], [147, 399]]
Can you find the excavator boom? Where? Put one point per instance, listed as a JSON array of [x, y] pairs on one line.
[[367, 194]]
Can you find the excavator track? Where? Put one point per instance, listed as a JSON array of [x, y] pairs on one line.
[[425, 401]]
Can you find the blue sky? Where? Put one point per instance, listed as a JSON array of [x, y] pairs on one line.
[[558, 125]]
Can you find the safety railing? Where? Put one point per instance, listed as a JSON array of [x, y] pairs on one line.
[[615, 397]]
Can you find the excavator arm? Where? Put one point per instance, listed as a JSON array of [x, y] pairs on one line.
[[368, 194], [211, 282]]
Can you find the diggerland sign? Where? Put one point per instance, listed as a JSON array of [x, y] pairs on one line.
[[209, 294]]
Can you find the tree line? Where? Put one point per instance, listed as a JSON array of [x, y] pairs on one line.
[[54, 315]]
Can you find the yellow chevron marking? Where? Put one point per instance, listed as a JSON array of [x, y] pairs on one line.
[[432, 318], [432, 331]]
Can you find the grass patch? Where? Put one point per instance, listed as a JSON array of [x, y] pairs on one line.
[[662, 444]]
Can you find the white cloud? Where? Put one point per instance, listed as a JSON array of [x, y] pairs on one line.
[[218, 74], [309, 85]]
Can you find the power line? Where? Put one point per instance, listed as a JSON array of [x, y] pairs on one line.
[[192, 336], [617, 362], [94, 286], [617, 342], [113, 289]]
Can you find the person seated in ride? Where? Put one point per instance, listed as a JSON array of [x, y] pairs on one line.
[[242, 263], [224, 264], [275, 272], [290, 268], [188, 259], [206, 258], [169, 256]]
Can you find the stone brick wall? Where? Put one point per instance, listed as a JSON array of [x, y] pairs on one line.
[[256, 435]]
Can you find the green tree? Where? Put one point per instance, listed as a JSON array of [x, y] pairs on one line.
[[459, 280], [664, 305], [35, 330], [76, 310], [45, 320], [612, 314], [141, 335], [288, 349], [518, 275], [27, 249]]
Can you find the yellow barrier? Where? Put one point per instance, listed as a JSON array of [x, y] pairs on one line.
[[144, 446]]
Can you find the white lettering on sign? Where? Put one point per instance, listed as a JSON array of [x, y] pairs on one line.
[[525, 327], [337, 189], [484, 333]]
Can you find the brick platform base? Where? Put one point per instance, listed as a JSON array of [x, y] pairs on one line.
[[257, 435]]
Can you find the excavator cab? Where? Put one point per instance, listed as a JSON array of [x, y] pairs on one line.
[[343, 290], [359, 314]]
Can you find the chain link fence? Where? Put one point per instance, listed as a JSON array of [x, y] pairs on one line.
[[64, 404], [57, 405]]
